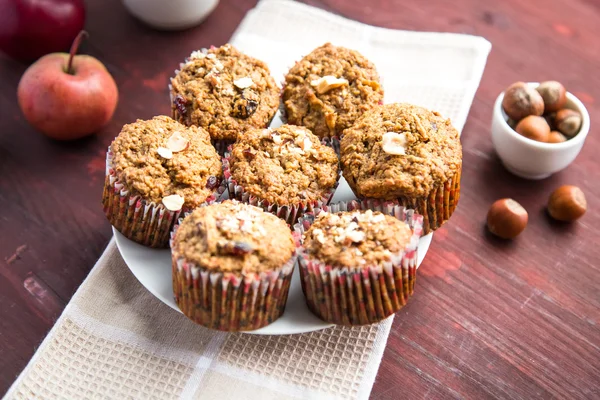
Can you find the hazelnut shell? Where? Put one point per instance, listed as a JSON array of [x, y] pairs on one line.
[[506, 218], [567, 203], [556, 137], [521, 100], [534, 128], [554, 95], [568, 122]]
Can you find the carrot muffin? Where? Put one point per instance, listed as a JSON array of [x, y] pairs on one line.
[[156, 169], [359, 267], [224, 91], [406, 154], [329, 89], [232, 266], [285, 170]]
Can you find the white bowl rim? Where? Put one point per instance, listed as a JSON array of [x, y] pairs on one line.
[[574, 142]]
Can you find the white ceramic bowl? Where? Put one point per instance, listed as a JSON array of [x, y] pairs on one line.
[[531, 159], [171, 14]]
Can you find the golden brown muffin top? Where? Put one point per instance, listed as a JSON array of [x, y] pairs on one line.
[[234, 237], [161, 157], [329, 89], [284, 165], [225, 92], [356, 238], [399, 150]]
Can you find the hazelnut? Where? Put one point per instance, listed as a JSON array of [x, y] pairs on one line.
[[567, 203], [568, 122], [521, 100], [507, 218], [534, 128], [556, 137], [554, 95]]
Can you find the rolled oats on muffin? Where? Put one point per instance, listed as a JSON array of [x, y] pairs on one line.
[[358, 267], [156, 169], [329, 89], [404, 154], [284, 170], [232, 266], [225, 92]]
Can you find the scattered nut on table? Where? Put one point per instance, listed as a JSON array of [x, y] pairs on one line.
[[507, 218], [567, 203]]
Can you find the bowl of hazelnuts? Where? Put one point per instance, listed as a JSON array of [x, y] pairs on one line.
[[538, 129]]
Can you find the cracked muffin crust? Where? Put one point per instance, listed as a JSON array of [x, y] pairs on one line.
[[329, 89], [160, 157], [234, 237], [406, 154], [399, 150], [287, 165], [224, 91], [356, 238]]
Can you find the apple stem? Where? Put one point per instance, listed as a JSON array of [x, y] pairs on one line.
[[73, 50]]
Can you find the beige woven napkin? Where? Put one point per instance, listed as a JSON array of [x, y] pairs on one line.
[[115, 340]]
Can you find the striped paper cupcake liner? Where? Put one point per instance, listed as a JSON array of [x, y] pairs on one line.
[[436, 208], [363, 294], [142, 221], [227, 301], [289, 213]]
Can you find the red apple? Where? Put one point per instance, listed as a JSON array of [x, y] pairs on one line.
[[31, 28], [67, 96]]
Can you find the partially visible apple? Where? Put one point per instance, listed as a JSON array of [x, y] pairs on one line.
[[31, 28], [67, 96]]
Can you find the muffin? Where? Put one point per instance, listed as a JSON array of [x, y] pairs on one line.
[[358, 267], [232, 266], [284, 170], [154, 170], [407, 155], [329, 89], [225, 92]]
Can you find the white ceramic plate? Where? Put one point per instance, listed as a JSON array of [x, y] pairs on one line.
[[152, 268]]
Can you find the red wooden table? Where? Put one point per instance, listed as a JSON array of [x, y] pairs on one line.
[[500, 319]]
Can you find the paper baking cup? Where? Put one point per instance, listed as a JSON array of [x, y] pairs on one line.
[[363, 294], [289, 213], [436, 208], [142, 221], [227, 301]]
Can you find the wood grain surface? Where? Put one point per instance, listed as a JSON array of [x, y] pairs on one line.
[[490, 319]]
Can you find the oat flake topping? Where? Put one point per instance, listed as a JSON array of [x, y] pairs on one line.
[[234, 237], [356, 238]]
